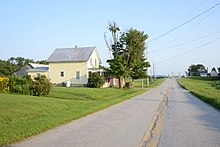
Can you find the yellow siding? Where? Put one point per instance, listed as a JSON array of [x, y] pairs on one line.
[[94, 57], [36, 73], [69, 69]]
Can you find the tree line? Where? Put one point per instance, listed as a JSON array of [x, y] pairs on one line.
[[194, 68]]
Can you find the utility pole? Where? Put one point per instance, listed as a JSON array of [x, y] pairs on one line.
[[153, 70], [154, 76]]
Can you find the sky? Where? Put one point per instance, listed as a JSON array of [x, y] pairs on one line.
[[35, 28]]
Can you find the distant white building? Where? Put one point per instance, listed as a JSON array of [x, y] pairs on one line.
[[202, 73], [213, 73]]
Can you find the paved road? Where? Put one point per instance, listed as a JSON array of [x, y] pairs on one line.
[[167, 116], [122, 125], [189, 122]]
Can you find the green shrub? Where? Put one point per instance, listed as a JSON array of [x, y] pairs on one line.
[[15, 80], [216, 84], [40, 86], [20, 85], [26, 86], [129, 85], [205, 78], [4, 84], [95, 81], [21, 89]]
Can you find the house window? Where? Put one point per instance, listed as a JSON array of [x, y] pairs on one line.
[[62, 74], [90, 74], [78, 75], [95, 63]]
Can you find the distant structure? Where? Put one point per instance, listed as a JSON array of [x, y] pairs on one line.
[[202, 73], [23, 71], [213, 73]]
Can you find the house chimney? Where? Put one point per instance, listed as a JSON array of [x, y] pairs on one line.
[[75, 46]]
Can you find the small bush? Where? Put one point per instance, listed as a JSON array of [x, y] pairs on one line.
[[40, 86], [20, 89], [4, 84], [129, 85], [20, 85], [26, 86], [95, 81], [216, 84]]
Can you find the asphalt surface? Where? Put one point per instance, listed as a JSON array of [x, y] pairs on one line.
[[189, 122], [121, 125], [167, 116]]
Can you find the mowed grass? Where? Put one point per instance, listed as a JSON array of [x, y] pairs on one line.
[[202, 89], [138, 83], [23, 116]]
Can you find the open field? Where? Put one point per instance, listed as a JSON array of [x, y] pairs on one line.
[[22, 116], [203, 88]]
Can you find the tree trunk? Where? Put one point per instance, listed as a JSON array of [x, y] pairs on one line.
[[121, 82], [132, 84]]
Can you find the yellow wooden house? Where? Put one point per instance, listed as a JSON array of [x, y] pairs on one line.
[[73, 65]]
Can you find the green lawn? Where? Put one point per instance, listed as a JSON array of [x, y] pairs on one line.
[[203, 89], [138, 83], [22, 116]]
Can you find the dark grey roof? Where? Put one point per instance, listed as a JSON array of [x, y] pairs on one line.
[[71, 54]]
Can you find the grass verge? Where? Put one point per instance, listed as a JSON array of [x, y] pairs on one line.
[[22, 116], [154, 83], [202, 89]]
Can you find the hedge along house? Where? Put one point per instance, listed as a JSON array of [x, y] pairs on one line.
[[74, 65]]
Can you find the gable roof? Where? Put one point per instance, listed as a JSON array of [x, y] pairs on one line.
[[35, 65], [28, 67], [38, 69], [71, 54]]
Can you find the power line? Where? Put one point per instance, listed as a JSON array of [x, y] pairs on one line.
[[181, 44], [185, 23], [190, 28], [194, 10], [188, 51]]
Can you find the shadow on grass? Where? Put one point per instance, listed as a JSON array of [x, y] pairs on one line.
[[210, 116], [214, 102]]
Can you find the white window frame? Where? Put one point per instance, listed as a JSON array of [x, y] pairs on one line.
[[78, 71]]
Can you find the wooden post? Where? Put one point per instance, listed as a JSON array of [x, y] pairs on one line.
[[148, 82], [142, 83]]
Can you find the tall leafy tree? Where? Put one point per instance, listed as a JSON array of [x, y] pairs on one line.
[[42, 62], [134, 53], [6, 67], [194, 68], [117, 64], [127, 49]]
